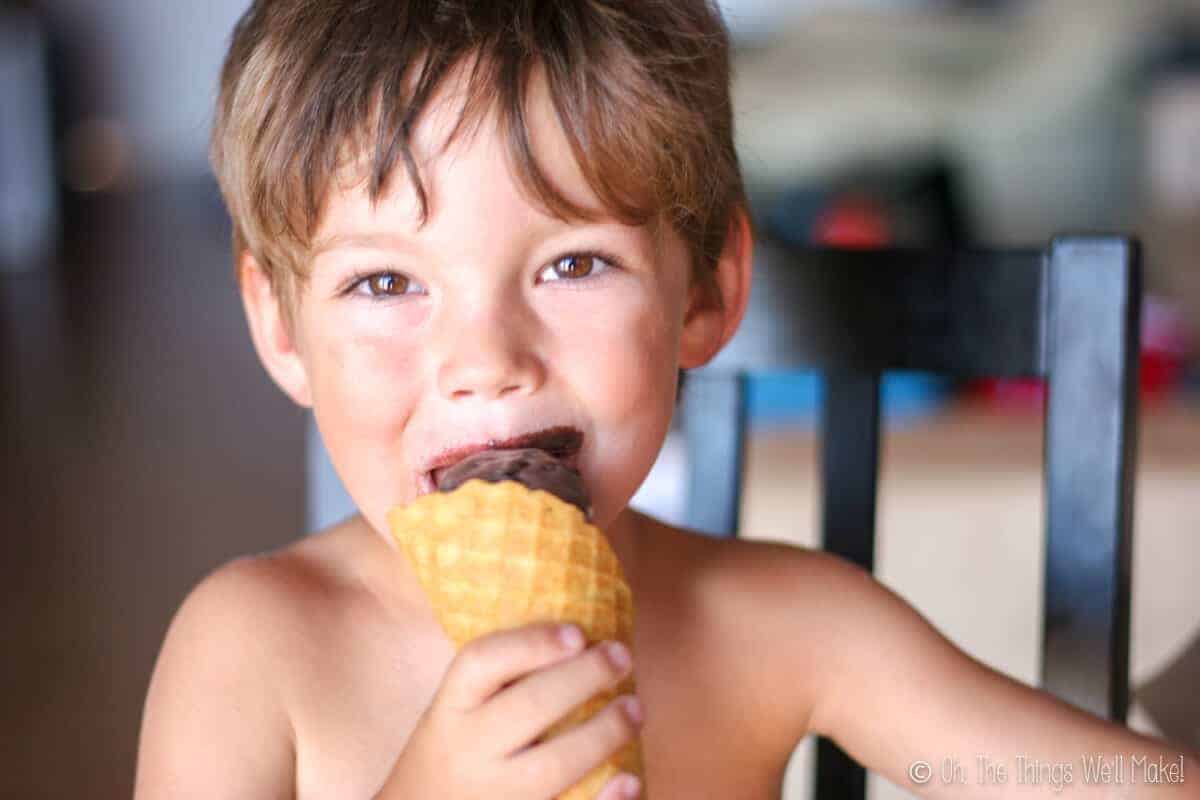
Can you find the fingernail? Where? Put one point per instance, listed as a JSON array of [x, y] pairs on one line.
[[618, 654], [633, 709], [630, 786], [571, 637]]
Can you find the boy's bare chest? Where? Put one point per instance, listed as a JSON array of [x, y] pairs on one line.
[[359, 704]]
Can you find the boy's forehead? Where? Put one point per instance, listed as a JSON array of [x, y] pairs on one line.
[[349, 206]]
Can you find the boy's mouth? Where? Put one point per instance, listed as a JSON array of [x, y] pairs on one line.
[[562, 442]]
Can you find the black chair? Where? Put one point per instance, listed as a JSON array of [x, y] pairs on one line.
[[1068, 314]]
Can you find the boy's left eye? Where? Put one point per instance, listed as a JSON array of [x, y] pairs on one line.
[[577, 266]]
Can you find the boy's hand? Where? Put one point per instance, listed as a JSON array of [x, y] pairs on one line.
[[480, 736]]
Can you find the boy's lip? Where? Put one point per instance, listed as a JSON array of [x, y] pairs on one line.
[[561, 441]]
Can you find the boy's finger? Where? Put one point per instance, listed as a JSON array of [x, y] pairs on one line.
[[515, 716], [621, 787], [485, 665], [558, 764]]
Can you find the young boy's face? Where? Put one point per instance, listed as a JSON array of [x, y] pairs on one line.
[[490, 322]]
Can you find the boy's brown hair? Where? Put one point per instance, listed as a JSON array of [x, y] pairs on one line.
[[640, 87]]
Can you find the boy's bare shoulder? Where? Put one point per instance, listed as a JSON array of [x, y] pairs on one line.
[[274, 609], [257, 608], [222, 642], [288, 625], [756, 571], [271, 593], [800, 615], [772, 609], [307, 593], [820, 623]]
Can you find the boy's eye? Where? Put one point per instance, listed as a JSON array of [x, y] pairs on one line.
[[573, 267], [577, 266], [383, 284]]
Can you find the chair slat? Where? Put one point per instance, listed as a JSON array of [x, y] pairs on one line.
[[714, 425], [850, 465], [849, 483], [1092, 354]]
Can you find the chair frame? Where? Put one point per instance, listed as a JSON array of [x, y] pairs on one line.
[[1068, 314]]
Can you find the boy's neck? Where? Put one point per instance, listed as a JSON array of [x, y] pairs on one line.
[[624, 534]]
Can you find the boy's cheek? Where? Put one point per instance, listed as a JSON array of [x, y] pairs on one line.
[[351, 356], [365, 384]]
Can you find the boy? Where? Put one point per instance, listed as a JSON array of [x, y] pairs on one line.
[[459, 222]]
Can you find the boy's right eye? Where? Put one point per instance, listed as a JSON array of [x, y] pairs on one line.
[[378, 285]]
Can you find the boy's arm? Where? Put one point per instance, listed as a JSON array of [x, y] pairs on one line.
[[897, 695], [213, 725]]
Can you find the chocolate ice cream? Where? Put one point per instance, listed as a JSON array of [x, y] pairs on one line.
[[535, 468]]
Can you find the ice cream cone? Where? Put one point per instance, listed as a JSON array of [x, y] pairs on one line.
[[494, 556]]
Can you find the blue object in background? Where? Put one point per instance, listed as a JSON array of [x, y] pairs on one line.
[[792, 216], [28, 193], [794, 397]]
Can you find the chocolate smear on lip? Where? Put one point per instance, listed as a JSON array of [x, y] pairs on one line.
[[561, 441], [535, 468]]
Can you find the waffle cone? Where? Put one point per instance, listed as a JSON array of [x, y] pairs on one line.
[[494, 556]]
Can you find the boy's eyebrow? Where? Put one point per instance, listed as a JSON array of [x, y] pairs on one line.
[[378, 240], [384, 241]]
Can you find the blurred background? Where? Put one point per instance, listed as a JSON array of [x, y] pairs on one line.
[[145, 445]]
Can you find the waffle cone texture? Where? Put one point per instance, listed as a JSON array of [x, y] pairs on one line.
[[494, 556]]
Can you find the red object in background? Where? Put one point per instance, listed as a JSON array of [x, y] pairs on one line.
[[1166, 342], [853, 221]]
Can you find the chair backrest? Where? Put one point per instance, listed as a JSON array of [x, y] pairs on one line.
[[1068, 314]]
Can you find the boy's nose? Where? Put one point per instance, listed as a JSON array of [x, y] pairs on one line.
[[486, 381], [488, 363]]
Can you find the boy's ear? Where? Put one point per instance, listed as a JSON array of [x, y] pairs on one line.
[[708, 325], [275, 344]]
